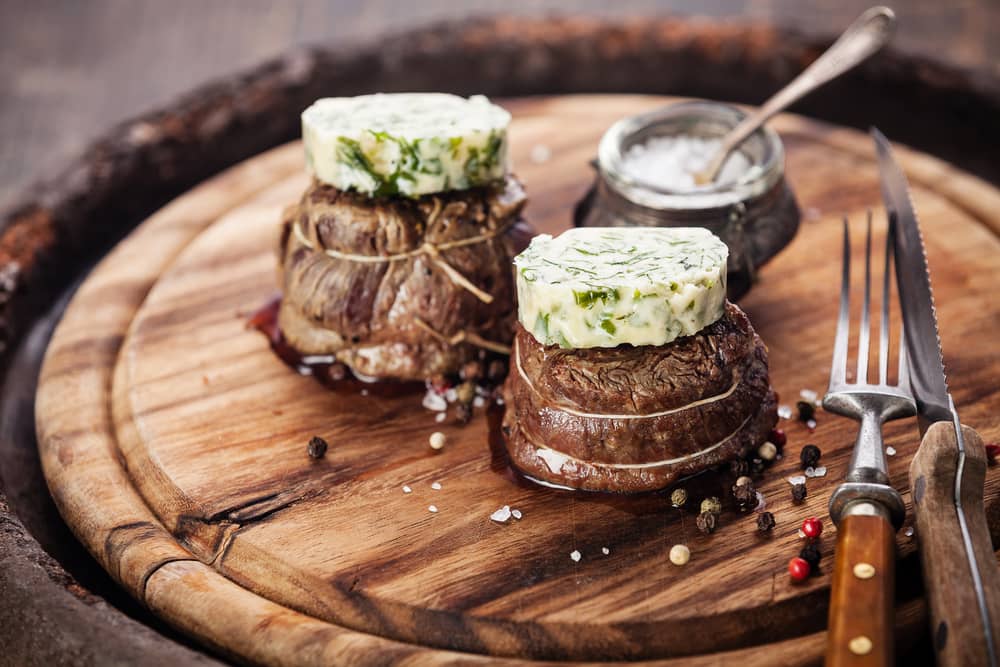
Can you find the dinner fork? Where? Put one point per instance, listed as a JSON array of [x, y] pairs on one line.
[[865, 508]]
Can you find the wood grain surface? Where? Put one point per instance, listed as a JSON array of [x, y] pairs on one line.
[[207, 431]]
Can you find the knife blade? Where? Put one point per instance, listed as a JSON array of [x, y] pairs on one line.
[[948, 471], [923, 342]]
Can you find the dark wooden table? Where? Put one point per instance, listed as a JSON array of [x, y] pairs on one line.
[[70, 70]]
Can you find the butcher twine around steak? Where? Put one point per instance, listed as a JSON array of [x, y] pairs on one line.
[[637, 418], [401, 288]]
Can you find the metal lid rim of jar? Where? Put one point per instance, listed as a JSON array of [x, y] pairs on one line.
[[619, 137]]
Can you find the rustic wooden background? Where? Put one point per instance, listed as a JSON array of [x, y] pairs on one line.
[[71, 69]]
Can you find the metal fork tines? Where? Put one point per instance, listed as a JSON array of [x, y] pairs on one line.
[[871, 403]]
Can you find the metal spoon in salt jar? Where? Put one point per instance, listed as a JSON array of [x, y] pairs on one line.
[[865, 36]]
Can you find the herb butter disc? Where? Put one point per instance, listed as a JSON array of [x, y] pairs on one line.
[[408, 144], [605, 286]]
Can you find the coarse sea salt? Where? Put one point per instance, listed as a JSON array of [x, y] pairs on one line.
[[478, 401], [502, 515], [671, 162], [516, 514], [819, 471], [434, 401], [605, 550], [890, 450], [440, 417], [909, 531], [797, 479], [432, 509], [407, 489], [785, 411], [575, 555], [761, 503], [808, 395], [436, 486]]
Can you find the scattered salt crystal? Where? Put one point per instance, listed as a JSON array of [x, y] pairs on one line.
[[575, 555], [434, 401], [479, 401], [671, 161], [540, 153], [808, 395], [407, 489], [436, 486], [364, 392], [811, 424], [785, 411], [440, 417], [810, 472], [516, 514], [797, 479], [432, 509], [813, 213], [802, 535], [909, 531], [605, 550], [451, 395], [890, 450], [819, 471], [502, 515], [482, 391], [499, 400], [761, 503]]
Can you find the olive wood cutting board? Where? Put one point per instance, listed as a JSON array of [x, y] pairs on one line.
[[174, 443]]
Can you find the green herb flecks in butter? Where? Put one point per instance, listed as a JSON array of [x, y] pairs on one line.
[[407, 144], [603, 287]]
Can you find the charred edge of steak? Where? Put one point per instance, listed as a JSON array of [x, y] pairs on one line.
[[717, 393], [365, 313]]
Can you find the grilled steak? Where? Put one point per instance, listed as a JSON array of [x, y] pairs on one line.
[[378, 282], [637, 418]]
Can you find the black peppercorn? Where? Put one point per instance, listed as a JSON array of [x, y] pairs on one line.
[[798, 492], [765, 522], [317, 447], [506, 430], [463, 412], [811, 554], [471, 371], [757, 466], [809, 456], [746, 496], [806, 410], [707, 522]]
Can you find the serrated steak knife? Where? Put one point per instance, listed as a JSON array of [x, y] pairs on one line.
[[946, 477]]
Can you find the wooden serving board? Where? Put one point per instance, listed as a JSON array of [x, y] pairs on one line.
[[174, 443]]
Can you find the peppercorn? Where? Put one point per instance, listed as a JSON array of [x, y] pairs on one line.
[[812, 527], [757, 466], [765, 522], [707, 521], [496, 371], [739, 467], [471, 371], [317, 447], [799, 492], [768, 451], [811, 554], [746, 496], [463, 413], [806, 411], [336, 372], [798, 569], [678, 497], [679, 554], [465, 392], [809, 456], [778, 437], [992, 453], [711, 504], [439, 383]]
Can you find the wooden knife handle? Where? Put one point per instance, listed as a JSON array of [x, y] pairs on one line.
[[957, 628], [861, 597]]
